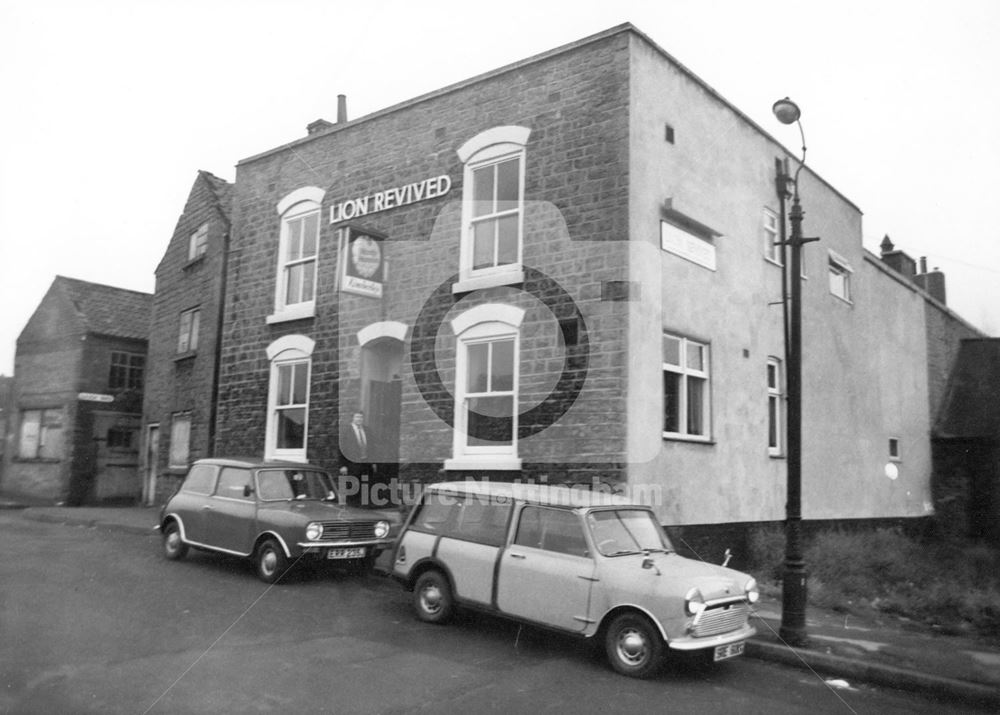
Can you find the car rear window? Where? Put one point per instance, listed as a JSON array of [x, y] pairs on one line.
[[464, 516], [200, 480]]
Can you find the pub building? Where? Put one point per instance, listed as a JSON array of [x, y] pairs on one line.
[[562, 271]]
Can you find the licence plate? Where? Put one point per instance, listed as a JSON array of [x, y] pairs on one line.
[[730, 650], [358, 553]]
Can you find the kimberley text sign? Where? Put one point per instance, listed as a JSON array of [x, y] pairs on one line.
[[390, 198]]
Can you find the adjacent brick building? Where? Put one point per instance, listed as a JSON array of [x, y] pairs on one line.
[[967, 444], [180, 394], [77, 395], [565, 270]]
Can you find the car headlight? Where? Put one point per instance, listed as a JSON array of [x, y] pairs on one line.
[[694, 602], [314, 530], [753, 593], [381, 529]]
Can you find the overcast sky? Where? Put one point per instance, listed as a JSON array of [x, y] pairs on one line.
[[111, 106]]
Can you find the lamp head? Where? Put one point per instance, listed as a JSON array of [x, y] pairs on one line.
[[786, 111]]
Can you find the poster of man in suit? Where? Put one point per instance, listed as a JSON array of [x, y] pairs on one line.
[[357, 452]]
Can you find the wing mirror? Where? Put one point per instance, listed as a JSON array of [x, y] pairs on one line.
[[247, 490], [648, 563]]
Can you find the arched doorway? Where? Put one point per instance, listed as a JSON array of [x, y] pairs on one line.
[[381, 393]]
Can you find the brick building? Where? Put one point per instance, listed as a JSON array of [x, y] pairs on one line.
[[564, 270], [966, 443], [77, 395], [180, 393], [6, 394]]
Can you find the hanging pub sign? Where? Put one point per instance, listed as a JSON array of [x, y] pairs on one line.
[[362, 261]]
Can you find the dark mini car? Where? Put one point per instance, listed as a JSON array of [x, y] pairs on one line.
[[276, 513]]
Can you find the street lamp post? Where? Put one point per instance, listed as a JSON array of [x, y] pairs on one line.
[[794, 589]]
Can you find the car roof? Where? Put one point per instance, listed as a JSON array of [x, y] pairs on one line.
[[549, 494], [255, 463]]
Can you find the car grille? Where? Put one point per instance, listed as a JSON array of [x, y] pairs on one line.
[[347, 530], [721, 618]]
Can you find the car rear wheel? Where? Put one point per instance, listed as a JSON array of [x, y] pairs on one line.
[[270, 561], [174, 547], [634, 646], [432, 598]]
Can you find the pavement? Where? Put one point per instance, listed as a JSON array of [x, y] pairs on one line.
[[844, 650]]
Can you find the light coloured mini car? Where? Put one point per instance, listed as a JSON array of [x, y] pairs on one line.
[[587, 563], [276, 513]]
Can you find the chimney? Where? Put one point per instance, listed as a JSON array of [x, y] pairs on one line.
[[932, 282], [318, 126], [341, 108], [897, 260]]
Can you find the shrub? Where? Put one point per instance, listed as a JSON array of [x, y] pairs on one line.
[[766, 545], [948, 584]]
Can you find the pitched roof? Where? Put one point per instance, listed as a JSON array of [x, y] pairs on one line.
[[972, 403], [222, 189], [107, 310]]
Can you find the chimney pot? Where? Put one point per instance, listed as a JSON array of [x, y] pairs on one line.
[[341, 108]]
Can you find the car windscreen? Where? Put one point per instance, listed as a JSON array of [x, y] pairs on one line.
[[626, 531], [287, 484]]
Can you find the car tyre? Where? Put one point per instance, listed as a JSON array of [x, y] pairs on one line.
[[174, 547], [633, 646], [270, 561], [432, 598]]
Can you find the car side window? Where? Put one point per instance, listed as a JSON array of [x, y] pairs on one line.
[[435, 512], [272, 485], [469, 517], [232, 483], [200, 480], [479, 519], [556, 530]]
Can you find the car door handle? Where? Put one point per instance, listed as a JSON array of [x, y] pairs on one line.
[[207, 507], [517, 556]]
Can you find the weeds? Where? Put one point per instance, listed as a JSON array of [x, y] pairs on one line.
[[955, 587]]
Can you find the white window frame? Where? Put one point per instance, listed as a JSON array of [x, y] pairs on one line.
[[180, 440], [839, 271], [39, 437], [488, 323], [688, 373], [198, 242], [490, 148], [771, 233], [775, 411], [288, 351], [296, 206], [187, 337]]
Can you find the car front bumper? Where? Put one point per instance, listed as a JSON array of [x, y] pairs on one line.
[[688, 643], [323, 546]]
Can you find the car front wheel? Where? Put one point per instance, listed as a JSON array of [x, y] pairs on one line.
[[634, 646], [432, 598], [270, 561], [174, 547]]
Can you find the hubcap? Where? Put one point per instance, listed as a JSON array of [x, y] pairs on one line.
[[173, 541], [632, 646], [430, 599], [269, 561]]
